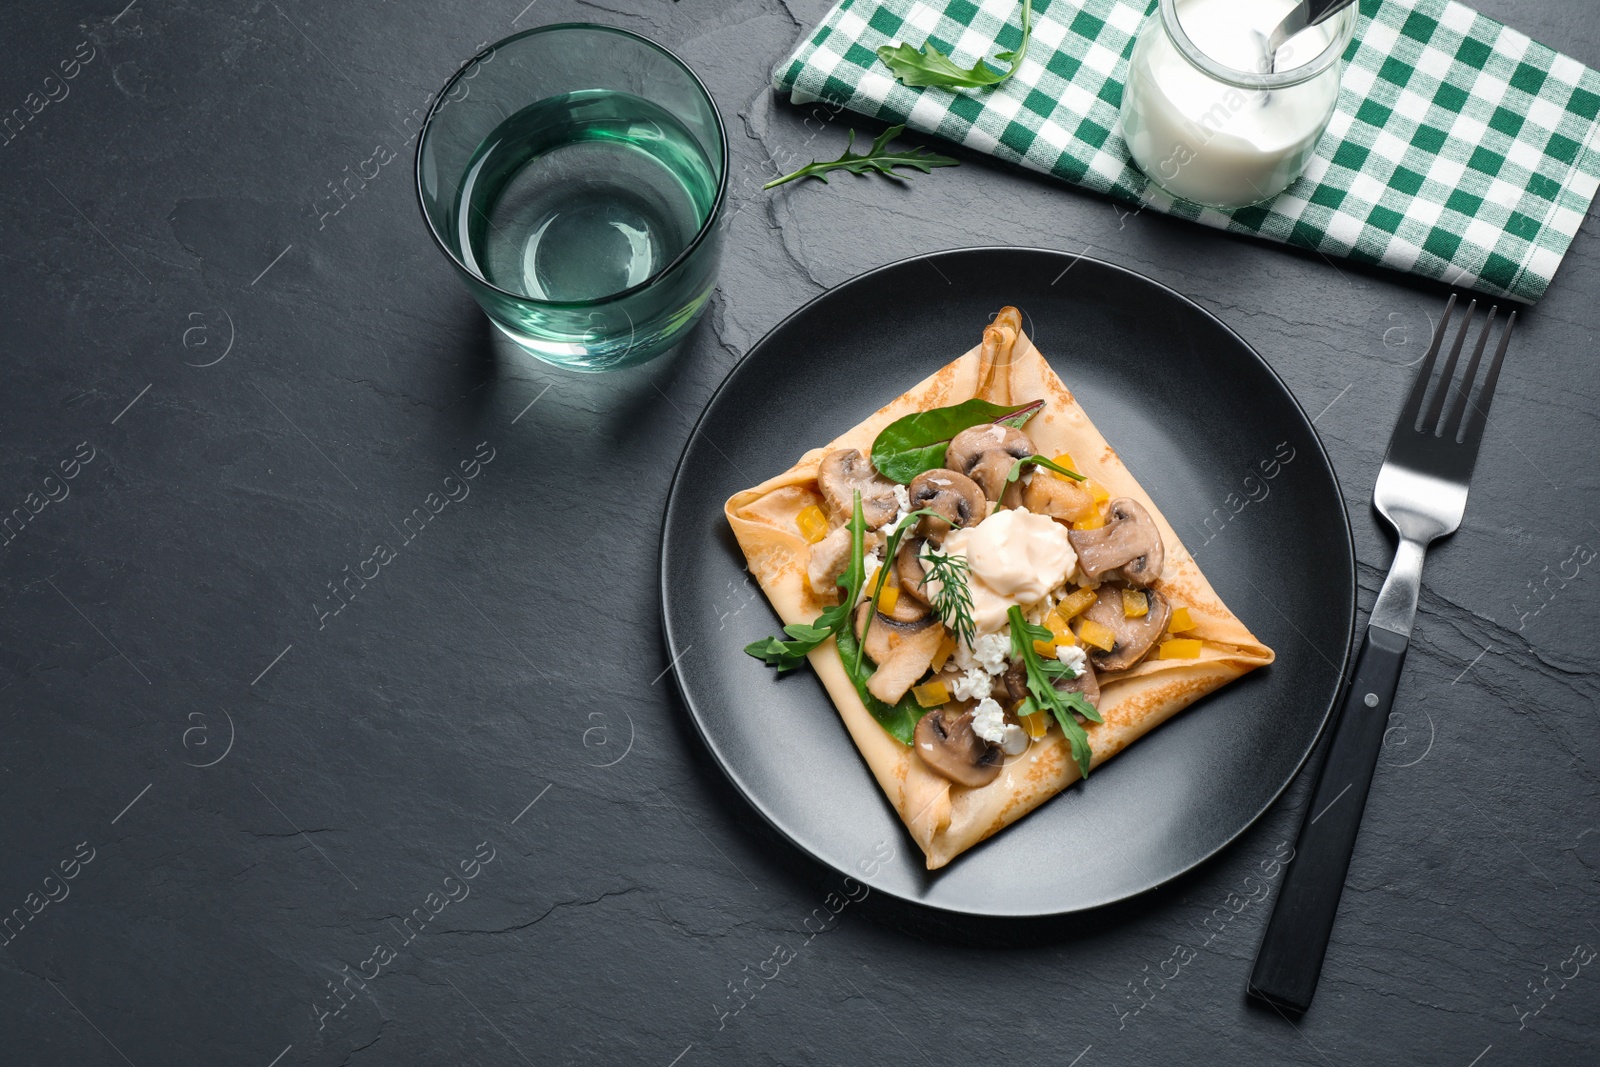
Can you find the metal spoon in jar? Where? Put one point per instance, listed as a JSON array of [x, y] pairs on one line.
[[1305, 13]]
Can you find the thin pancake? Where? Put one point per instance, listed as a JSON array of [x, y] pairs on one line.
[[944, 818]]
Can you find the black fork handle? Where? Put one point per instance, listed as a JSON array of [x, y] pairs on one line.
[[1290, 960]]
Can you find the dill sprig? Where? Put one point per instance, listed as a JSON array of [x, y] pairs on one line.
[[953, 597]]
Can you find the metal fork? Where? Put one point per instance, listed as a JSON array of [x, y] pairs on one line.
[[1422, 492]]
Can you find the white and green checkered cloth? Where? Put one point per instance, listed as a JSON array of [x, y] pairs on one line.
[[1460, 150]]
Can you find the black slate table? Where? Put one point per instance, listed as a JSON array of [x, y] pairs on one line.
[[229, 790]]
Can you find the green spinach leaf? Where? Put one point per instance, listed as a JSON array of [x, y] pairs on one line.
[[915, 443]]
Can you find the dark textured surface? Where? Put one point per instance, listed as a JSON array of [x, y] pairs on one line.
[[510, 652], [1127, 346]]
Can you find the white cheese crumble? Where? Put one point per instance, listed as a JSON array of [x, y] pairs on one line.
[[1073, 657], [869, 566], [989, 723], [973, 685], [902, 500], [989, 651]]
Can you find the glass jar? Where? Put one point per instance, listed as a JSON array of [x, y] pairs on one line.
[[1207, 114]]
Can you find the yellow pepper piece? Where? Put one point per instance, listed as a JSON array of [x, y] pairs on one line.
[[1179, 648], [1038, 723], [1059, 630], [947, 648], [1180, 621], [1093, 522], [1076, 604], [1065, 460], [1098, 635], [1045, 648], [812, 523], [1134, 604], [888, 599], [931, 694], [1098, 492]]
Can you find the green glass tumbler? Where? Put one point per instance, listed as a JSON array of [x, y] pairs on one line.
[[575, 175]]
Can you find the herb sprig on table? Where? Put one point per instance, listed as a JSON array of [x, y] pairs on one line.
[[878, 159], [929, 66], [1042, 693]]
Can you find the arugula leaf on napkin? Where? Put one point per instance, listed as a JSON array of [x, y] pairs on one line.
[[929, 66], [877, 159]]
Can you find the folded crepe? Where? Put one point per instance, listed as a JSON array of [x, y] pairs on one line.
[[944, 818]]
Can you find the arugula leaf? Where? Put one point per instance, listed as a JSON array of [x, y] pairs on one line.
[[876, 160], [1079, 703], [1042, 693], [891, 546], [929, 66], [1041, 461], [900, 720], [915, 443], [855, 572], [787, 655]]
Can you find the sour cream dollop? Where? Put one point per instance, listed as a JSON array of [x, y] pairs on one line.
[[1016, 557]]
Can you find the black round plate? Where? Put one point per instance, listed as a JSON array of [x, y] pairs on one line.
[[1201, 420]]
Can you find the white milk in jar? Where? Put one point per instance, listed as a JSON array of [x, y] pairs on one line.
[[1206, 113]]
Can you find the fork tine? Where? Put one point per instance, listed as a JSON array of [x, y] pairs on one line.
[[1430, 421], [1473, 421], [1408, 414], [1452, 420]]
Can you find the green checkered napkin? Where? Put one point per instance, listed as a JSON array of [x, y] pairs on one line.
[[1460, 149]]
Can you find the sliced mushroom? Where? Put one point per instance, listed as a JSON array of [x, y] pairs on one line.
[[956, 498], [986, 454], [1134, 636], [902, 651], [1047, 494], [948, 746], [845, 470], [909, 571], [908, 609], [1016, 684], [1128, 546], [830, 556]]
